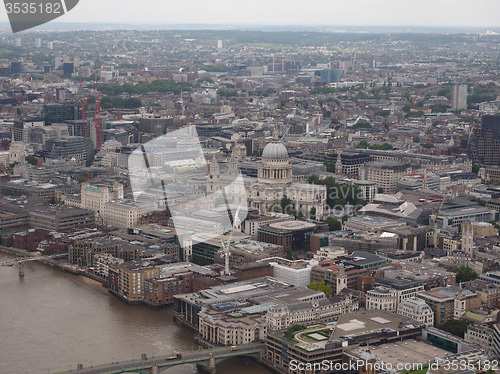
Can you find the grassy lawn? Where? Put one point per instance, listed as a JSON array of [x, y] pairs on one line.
[[421, 371]]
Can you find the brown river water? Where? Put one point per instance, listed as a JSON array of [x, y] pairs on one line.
[[51, 321]]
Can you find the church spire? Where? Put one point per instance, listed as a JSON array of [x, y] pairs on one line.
[[338, 164]]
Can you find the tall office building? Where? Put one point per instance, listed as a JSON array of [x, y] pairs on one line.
[[459, 98], [16, 67], [73, 148], [329, 76], [60, 95], [484, 147], [68, 68], [38, 43], [496, 341], [17, 42], [60, 112]]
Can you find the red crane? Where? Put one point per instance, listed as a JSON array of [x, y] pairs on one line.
[[97, 121], [97, 117], [83, 104]]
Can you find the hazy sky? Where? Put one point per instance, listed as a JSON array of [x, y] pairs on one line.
[[290, 12]]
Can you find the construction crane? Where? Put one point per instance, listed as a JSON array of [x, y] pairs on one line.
[[436, 214], [83, 104], [95, 74], [225, 245], [97, 121], [286, 132], [97, 117]]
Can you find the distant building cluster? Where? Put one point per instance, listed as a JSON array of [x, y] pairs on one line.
[[336, 200]]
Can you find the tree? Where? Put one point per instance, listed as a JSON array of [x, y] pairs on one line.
[[476, 167], [427, 145], [457, 327], [439, 108], [495, 224], [205, 80], [333, 224], [446, 92], [312, 213], [415, 114], [361, 125], [321, 286], [330, 166], [481, 202], [382, 147], [362, 144], [291, 330], [313, 179], [382, 113], [466, 274], [285, 204], [31, 159]]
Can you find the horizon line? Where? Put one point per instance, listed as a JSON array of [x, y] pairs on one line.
[[197, 26]]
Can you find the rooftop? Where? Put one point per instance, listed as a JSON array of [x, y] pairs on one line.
[[292, 225], [406, 351], [363, 321]]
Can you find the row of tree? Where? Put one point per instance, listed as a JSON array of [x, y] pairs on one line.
[[160, 85]]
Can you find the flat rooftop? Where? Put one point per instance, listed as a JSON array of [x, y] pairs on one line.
[[366, 320], [406, 351], [292, 225]]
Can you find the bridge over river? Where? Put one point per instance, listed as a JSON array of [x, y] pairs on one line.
[[208, 358], [22, 260]]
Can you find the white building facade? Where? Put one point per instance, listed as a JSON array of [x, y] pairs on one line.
[[418, 310]]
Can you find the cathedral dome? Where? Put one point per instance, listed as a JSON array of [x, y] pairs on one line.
[[275, 151]]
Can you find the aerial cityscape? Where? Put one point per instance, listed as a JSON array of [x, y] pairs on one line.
[[220, 200]]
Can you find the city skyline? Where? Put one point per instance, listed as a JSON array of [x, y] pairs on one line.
[[425, 13]]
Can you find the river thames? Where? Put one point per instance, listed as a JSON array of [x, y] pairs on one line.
[[52, 321]]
